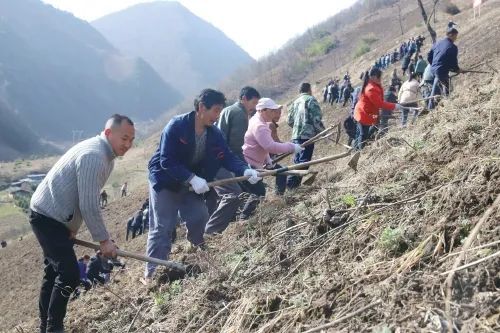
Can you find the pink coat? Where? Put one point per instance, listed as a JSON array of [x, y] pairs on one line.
[[259, 143]]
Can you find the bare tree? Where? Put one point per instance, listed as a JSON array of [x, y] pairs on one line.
[[398, 4], [427, 21], [434, 13]]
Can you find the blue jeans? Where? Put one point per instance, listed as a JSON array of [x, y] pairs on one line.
[[164, 208], [363, 133], [436, 89], [384, 121], [304, 156], [405, 113]]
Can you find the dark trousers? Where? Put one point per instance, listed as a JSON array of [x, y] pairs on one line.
[[256, 192], [363, 133], [95, 279], [304, 156], [62, 275]]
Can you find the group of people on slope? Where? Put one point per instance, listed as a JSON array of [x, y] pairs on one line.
[[336, 92], [372, 108], [193, 151]]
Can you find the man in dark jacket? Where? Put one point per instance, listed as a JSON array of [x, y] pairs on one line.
[[134, 225], [443, 58], [406, 62], [95, 269], [347, 94], [190, 152]]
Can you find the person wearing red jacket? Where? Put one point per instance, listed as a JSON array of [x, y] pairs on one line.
[[371, 100]]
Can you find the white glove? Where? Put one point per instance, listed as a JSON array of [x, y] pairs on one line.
[[297, 148], [254, 176], [199, 185]]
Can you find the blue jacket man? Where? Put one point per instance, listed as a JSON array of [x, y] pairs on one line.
[[443, 58], [170, 168], [190, 152]]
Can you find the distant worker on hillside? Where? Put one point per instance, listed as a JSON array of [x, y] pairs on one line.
[[305, 119], [443, 57], [367, 109], [333, 92], [420, 67], [82, 267], [325, 93], [190, 152], [96, 269], [124, 189], [233, 123], [134, 225], [395, 80], [406, 63], [408, 94], [385, 115], [347, 94], [3, 244], [66, 196], [103, 199], [427, 81]]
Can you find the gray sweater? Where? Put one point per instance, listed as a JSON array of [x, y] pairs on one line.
[[70, 191], [233, 122]]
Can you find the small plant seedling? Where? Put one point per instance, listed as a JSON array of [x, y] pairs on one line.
[[349, 200], [392, 240]]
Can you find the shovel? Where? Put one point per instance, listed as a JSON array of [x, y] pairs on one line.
[[170, 264]]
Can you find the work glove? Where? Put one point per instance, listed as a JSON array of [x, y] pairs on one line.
[[297, 148], [199, 185], [254, 176]]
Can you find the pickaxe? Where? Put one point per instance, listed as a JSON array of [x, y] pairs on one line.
[[125, 254], [320, 136], [352, 163]]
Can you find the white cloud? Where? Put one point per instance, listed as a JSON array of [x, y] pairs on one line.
[[258, 26]]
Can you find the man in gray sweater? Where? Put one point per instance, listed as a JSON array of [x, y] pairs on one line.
[[68, 195], [233, 123]]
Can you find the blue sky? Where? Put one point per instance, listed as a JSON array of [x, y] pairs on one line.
[[258, 26]]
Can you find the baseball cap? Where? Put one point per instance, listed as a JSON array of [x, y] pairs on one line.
[[267, 103]]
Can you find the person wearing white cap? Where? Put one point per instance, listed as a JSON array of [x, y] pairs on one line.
[[259, 144]]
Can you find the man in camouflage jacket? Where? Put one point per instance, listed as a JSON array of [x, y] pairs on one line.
[[304, 116]]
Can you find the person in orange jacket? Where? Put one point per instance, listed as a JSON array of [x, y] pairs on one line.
[[371, 100]]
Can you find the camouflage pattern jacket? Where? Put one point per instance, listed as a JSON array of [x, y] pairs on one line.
[[304, 117]]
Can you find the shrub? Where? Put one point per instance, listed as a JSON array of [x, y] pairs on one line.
[[362, 48], [369, 40], [349, 200], [451, 8], [321, 46], [22, 202], [393, 240]]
